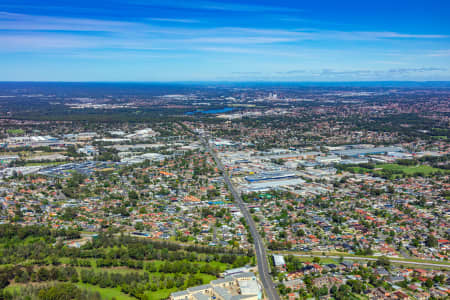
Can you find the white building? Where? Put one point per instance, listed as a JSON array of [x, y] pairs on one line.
[[278, 261], [328, 159]]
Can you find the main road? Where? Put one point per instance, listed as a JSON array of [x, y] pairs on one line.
[[260, 250]]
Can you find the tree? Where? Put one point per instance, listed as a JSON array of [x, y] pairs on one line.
[[343, 292], [4, 280], [69, 213], [60, 292], [139, 226], [74, 278], [43, 274], [431, 241], [133, 195], [333, 290], [357, 286], [300, 233], [429, 283], [383, 261]]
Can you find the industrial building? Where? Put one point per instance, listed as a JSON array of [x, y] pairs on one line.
[[269, 185], [367, 151], [238, 286], [271, 176], [278, 261]]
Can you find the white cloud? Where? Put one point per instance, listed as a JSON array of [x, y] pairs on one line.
[[213, 5], [10, 21], [44, 42], [440, 53], [241, 40], [173, 20], [30, 32], [356, 73], [385, 35]]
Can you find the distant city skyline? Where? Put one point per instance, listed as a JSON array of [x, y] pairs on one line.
[[267, 40]]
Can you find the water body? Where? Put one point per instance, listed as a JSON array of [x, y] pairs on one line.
[[211, 111]]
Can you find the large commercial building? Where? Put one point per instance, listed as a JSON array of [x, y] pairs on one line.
[[31, 141], [272, 184], [367, 151], [279, 261], [271, 176], [239, 286]]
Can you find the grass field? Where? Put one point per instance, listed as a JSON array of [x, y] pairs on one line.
[[322, 260], [425, 169], [359, 170], [398, 170], [358, 297], [6, 153], [15, 131], [13, 288], [221, 266], [161, 294], [44, 164], [106, 293], [165, 293], [110, 293]]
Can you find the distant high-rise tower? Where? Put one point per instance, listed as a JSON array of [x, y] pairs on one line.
[[273, 96]]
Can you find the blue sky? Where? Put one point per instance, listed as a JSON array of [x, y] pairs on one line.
[[216, 40]]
